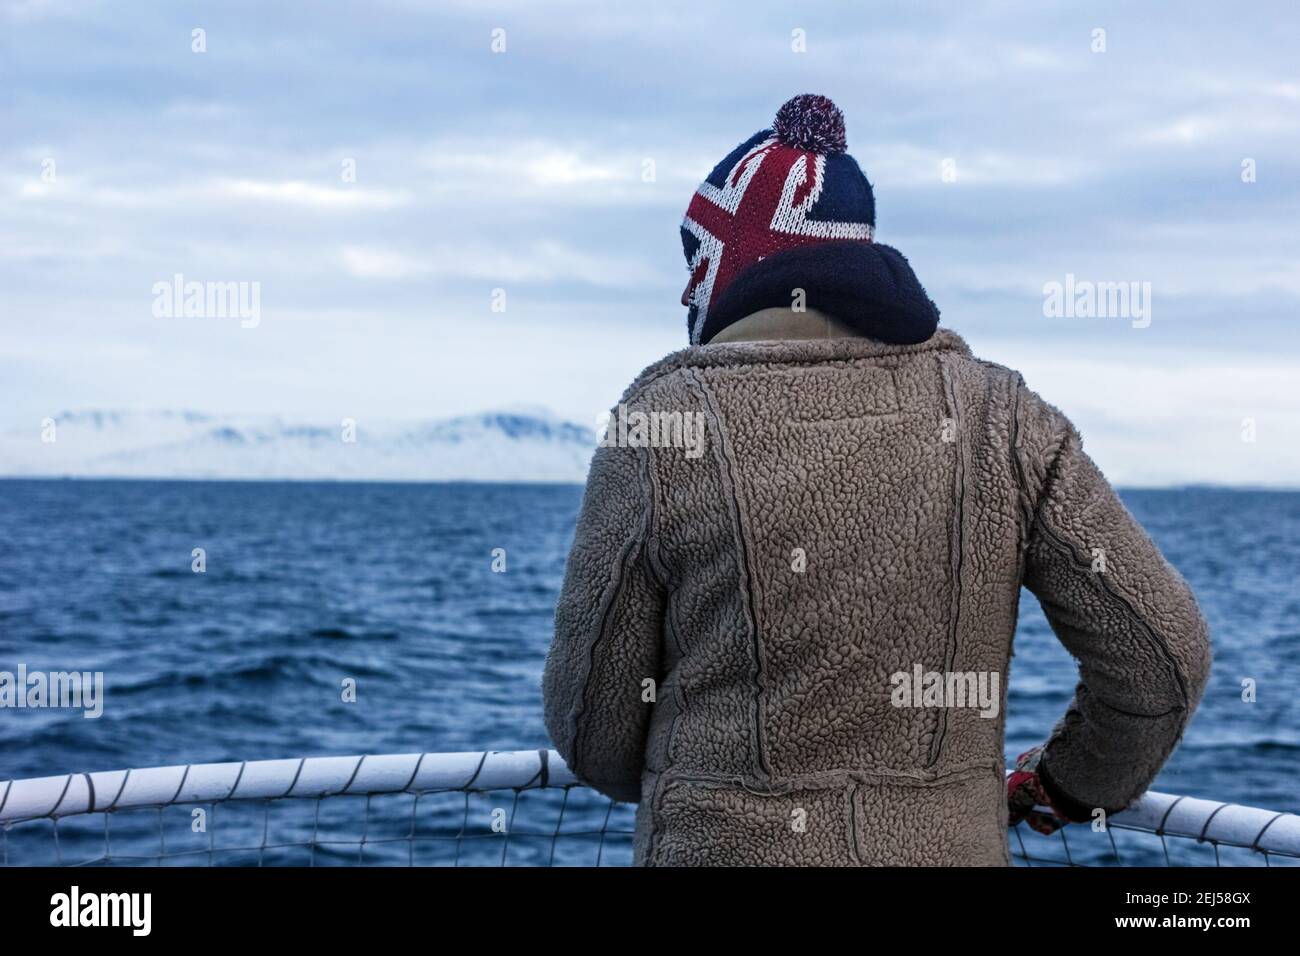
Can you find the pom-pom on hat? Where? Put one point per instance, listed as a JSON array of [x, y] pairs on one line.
[[789, 210], [812, 123]]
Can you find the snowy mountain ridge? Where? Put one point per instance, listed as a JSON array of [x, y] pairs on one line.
[[497, 445]]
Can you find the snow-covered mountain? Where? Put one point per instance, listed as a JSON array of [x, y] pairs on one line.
[[504, 445]]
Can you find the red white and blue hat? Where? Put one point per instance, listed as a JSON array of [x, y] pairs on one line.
[[789, 209]]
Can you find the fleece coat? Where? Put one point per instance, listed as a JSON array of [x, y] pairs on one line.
[[732, 624]]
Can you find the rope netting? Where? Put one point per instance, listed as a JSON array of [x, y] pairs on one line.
[[512, 808]]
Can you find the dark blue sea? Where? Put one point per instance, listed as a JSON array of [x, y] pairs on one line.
[[392, 584]]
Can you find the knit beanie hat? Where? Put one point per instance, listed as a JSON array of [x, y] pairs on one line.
[[788, 210]]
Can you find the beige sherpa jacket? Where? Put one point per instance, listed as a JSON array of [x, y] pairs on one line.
[[734, 620]]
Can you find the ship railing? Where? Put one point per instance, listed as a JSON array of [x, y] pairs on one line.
[[501, 808]]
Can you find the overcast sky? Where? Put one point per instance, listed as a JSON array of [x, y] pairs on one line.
[[127, 158]]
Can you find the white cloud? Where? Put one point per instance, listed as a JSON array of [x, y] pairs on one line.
[[1242, 119], [86, 190], [903, 164], [319, 197], [545, 261], [545, 171], [477, 171], [1180, 421], [373, 263], [1186, 130]]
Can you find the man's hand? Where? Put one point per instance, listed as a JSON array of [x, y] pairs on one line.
[[1025, 791]]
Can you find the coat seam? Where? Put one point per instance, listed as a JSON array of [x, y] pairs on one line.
[[745, 568], [679, 693], [956, 552], [1176, 709], [650, 549], [663, 576], [1024, 498], [654, 827], [1058, 541], [1024, 519], [651, 492], [1156, 640], [854, 824], [835, 779], [612, 591]]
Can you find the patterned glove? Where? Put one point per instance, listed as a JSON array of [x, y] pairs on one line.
[[1025, 791]]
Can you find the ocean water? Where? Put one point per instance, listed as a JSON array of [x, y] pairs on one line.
[[308, 584]]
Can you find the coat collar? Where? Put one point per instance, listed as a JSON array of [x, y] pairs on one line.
[[796, 352]]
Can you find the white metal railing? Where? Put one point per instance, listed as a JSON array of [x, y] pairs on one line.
[[465, 809]]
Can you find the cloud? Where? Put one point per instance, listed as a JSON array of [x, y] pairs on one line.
[[531, 169], [94, 191], [544, 261], [370, 263], [317, 197], [548, 172], [1191, 417], [907, 165]]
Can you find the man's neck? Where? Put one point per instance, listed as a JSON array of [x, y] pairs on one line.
[[780, 323]]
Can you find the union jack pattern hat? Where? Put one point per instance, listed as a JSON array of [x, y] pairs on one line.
[[787, 210]]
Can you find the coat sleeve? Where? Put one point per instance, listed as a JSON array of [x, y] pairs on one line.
[[1120, 609], [608, 624]]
